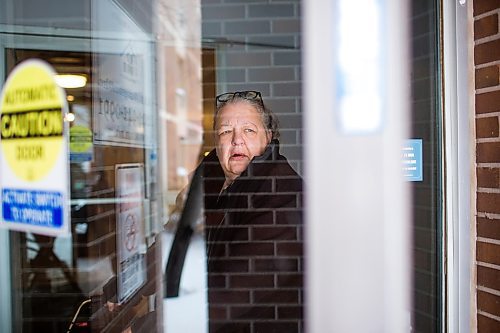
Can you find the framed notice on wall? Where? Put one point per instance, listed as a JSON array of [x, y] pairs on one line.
[[131, 246], [119, 100], [122, 81]]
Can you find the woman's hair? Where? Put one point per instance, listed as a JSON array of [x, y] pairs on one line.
[[269, 119]]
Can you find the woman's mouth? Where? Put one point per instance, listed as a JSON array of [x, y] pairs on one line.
[[238, 156]]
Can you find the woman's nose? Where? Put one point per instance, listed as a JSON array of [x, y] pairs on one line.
[[237, 138]]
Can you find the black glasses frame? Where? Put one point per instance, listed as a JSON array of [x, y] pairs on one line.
[[250, 95]]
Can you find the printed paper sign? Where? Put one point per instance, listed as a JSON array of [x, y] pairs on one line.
[[130, 229], [412, 160], [34, 161]]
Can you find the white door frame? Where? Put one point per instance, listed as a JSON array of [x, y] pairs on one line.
[[459, 171]]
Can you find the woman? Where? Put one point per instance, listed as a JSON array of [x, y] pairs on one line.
[[253, 221]]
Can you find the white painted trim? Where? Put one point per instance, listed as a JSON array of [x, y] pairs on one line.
[[459, 167]]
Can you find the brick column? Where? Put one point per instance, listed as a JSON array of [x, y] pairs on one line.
[[487, 112]]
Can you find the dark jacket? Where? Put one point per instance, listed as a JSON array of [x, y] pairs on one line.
[[253, 234]]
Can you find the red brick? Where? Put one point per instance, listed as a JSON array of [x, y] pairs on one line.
[[488, 228], [488, 303], [229, 327], [216, 281], [276, 296], [274, 233], [488, 277], [489, 253], [487, 127], [218, 250], [223, 265], [488, 202], [488, 102], [231, 234], [213, 218], [276, 265], [251, 249], [290, 217], [289, 249], [289, 312], [487, 52], [291, 184], [488, 152], [252, 312], [260, 217], [277, 327], [228, 297], [483, 6], [290, 281], [488, 177], [486, 26], [487, 77], [268, 201], [486, 324], [251, 281], [218, 312]]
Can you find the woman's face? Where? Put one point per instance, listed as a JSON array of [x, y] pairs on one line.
[[239, 136]]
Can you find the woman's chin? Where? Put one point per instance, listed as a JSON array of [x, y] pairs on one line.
[[237, 167]]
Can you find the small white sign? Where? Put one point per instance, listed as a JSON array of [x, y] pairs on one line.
[[412, 160], [130, 229]]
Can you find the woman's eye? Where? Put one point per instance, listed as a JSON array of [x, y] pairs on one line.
[[224, 132]]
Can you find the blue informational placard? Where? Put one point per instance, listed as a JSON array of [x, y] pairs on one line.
[[80, 157], [412, 160], [34, 208]]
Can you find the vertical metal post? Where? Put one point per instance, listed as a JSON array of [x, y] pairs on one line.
[[5, 285], [5, 277], [356, 118]]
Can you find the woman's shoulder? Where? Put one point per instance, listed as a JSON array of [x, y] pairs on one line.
[[278, 166]]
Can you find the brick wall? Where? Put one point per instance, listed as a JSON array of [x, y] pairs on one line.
[[487, 113]]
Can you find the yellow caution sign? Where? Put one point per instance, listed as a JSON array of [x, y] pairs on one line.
[[80, 139], [80, 144], [32, 124]]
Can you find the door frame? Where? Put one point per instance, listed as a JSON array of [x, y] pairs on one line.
[[459, 172]]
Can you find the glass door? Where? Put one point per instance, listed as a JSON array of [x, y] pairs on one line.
[[106, 274]]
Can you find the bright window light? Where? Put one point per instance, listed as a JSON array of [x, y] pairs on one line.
[[359, 73]]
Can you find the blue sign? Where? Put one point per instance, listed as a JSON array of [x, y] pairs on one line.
[[34, 208], [80, 157], [412, 160]]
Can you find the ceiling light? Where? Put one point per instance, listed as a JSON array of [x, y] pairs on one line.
[[71, 80], [69, 117]]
